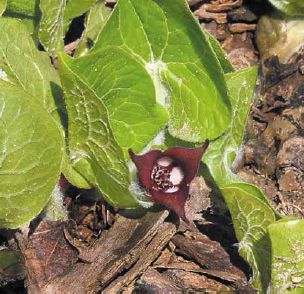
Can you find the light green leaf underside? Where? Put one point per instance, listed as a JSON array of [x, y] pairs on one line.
[[251, 218], [92, 146], [287, 253], [30, 156], [23, 65], [128, 93], [71, 174], [51, 25], [221, 153], [249, 208], [94, 23], [3, 4], [166, 39]]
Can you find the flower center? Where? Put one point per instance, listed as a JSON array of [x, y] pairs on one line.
[[166, 175]]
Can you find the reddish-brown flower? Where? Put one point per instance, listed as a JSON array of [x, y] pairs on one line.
[[166, 175]]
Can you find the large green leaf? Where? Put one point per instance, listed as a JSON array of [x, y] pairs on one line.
[[33, 72], [31, 149], [51, 31], [3, 4], [94, 23], [92, 146], [128, 93], [166, 39], [287, 256]]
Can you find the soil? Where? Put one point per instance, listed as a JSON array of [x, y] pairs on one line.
[[104, 250]]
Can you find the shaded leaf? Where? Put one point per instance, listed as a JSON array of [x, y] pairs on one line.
[[11, 265], [25, 8], [28, 12]]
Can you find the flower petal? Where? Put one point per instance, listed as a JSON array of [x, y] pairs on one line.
[[189, 158], [173, 201], [144, 164]]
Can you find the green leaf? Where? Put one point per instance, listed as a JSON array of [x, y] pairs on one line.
[[71, 174], [92, 146], [3, 4], [11, 266], [251, 218], [221, 152], [287, 256], [94, 23], [166, 39], [33, 72], [289, 7], [31, 148], [128, 93], [74, 9], [51, 30]]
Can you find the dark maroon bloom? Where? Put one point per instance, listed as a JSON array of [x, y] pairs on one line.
[[166, 176]]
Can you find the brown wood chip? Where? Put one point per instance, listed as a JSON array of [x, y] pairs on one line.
[[241, 27], [147, 256], [218, 17], [116, 250]]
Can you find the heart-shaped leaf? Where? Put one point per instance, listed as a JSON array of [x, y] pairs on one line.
[[164, 37]]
